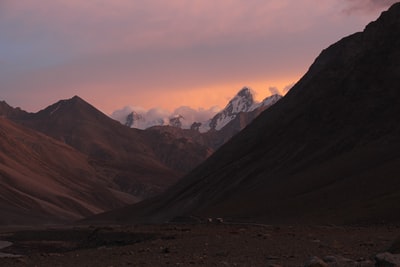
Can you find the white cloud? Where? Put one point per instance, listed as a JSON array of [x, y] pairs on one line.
[[191, 115], [274, 90], [121, 114], [158, 116]]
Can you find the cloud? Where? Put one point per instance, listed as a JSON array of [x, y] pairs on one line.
[[195, 53], [104, 26], [191, 115], [367, 6], [121, 114], [274, 90], [287, 88], [158, 116]]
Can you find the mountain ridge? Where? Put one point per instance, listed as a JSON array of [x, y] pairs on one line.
[[242, 102]]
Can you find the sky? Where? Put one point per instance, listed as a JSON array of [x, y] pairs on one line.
[[165, 53]]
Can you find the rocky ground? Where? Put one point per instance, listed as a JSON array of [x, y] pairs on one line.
[[199, 245]]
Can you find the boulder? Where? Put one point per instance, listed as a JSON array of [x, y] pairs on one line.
[[387, 259], [316, 262]]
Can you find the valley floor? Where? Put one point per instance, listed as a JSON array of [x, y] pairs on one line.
[[196, 245]]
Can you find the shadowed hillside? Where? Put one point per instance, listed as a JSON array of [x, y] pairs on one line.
[[45, 180]]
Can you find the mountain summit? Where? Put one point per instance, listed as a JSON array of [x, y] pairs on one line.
[[242, 102], [328, 152], [10, 112]]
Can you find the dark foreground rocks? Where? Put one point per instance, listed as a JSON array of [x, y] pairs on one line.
[[387, 259], [199, 245]]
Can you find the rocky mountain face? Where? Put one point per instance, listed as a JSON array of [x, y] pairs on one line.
[[178, 148], [328, 152]]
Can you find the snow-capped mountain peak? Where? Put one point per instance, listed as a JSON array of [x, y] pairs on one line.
[[183, 117], [242, 102]]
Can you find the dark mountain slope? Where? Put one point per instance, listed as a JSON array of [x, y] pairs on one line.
[[7, 111], [180, 149], [328, 152], [43, 180]]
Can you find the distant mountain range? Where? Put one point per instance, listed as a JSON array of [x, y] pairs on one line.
[[243, 102], [327, 153], [240, 111]]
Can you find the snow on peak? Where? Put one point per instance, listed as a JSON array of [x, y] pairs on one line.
[[267, 102], [187, 118], [242, 102]]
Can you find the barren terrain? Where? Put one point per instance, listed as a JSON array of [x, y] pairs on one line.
[[196, 245]]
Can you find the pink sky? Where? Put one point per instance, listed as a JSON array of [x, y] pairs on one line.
[[164, 53]]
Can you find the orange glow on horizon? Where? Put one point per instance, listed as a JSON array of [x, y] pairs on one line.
[[165, 54], [196, 98]]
